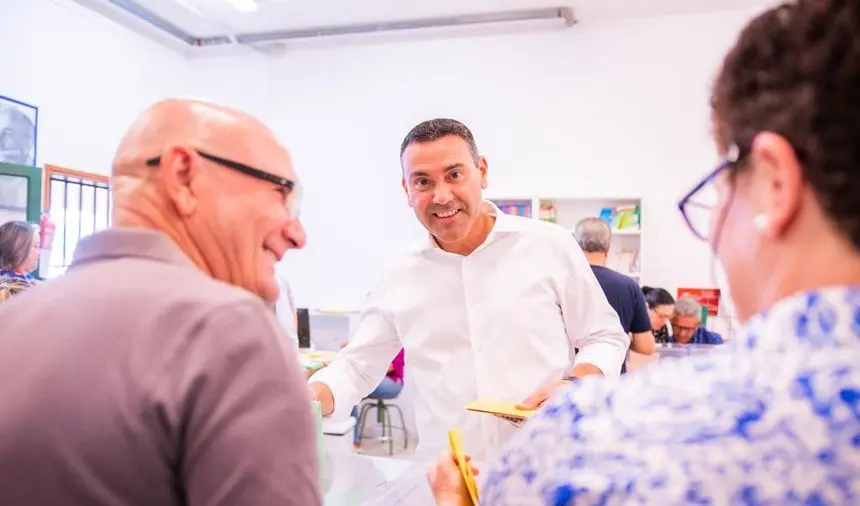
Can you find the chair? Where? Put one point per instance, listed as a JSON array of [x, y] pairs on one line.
[[383, 417]]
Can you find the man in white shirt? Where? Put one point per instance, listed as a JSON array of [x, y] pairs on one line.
[[489, 306]]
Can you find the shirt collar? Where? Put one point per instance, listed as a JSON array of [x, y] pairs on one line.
[[14, 274], [126, 242], [825, 317], [504, 226]]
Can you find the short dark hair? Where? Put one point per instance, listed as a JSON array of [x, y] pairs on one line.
[[16, 239], [434, 129], [795, 71], [657, 297]]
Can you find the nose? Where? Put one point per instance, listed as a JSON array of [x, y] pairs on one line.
[[295, 234], [442, 195]]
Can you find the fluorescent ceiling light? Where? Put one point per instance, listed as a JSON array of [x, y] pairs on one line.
[[245, 5]]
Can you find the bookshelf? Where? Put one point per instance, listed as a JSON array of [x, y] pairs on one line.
[[626, 250]]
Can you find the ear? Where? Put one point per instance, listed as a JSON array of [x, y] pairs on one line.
[[482, 167], [177, 175], [778, 178], [406, 191]]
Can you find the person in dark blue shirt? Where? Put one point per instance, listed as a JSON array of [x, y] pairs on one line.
[[623, 293]]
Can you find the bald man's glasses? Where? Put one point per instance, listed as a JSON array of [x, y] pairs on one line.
[[293, 198]]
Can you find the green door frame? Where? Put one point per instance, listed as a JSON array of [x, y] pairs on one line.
[[34, 187]]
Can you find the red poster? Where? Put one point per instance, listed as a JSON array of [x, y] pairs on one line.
[[708, 297]]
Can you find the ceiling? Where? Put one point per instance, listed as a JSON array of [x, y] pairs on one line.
[[213, 22]]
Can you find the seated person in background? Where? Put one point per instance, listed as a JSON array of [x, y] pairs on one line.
[[594, 237], [389, 388], [19, 256], [687, 324], [661, 307]]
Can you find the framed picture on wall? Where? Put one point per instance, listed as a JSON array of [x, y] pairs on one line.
[[19, 123]]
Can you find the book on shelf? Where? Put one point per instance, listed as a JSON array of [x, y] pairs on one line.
[[515, 209], [548, 211], [627, 218], [625, 261]]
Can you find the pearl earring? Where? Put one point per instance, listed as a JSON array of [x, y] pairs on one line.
[[761, 221]]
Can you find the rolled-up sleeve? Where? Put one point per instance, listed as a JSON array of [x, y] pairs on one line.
[[361, 365], [591, 324]]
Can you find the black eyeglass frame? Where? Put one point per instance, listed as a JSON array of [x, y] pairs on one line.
[[289, 184], [294, 190]]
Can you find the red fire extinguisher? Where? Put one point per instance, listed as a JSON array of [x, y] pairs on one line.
[[46, 231]]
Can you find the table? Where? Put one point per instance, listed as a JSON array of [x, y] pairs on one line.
[[685, 350], [313, 361], [362, 480]]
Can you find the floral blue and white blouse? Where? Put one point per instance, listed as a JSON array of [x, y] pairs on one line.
[[773, 418]]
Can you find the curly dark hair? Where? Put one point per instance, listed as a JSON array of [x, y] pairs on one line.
[[795, 71]]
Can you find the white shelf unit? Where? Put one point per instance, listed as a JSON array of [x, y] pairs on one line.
[[626, 251]]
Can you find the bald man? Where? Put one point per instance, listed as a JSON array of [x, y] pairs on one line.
[[154, 372]]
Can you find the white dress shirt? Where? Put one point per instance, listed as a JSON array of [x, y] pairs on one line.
[[495, 324]]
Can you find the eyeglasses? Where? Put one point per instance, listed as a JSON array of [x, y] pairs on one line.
[[697, 206], [294, 193]]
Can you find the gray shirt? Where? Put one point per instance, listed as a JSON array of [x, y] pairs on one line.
[[135, 379]]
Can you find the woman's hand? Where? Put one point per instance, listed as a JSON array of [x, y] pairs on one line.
[[449, 488]]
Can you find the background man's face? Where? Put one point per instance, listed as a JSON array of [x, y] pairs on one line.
[[683, 327]]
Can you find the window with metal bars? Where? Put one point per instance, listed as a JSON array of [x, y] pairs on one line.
[[80, 205]]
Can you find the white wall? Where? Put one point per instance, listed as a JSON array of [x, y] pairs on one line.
[[616, 109], [88, 76]]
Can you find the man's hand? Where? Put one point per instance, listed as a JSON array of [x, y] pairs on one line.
[[449, 488], [322, 393], [539, 396]]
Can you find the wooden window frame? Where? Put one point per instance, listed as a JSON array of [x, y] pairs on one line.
[[75, 178], [51, 170]]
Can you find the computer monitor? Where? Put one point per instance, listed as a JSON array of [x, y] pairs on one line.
[[303, 328]]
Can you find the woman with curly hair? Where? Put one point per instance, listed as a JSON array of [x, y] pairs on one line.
[[775, 417]]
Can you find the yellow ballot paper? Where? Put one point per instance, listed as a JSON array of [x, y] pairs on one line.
[[456, 440], [500, 408]]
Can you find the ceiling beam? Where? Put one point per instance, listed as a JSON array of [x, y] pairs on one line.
[[562, 14]]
